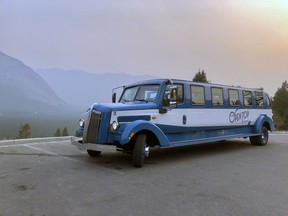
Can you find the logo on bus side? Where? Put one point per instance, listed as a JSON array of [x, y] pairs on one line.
[[238, 116]]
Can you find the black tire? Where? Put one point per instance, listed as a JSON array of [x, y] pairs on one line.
[[261, 139], [139, 150], [93, 153]]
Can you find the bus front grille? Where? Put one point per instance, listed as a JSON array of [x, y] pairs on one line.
[[91, 127]]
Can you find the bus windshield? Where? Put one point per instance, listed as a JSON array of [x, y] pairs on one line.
[[145, 93]]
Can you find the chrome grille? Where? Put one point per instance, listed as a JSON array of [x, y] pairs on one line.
[[91, 127]]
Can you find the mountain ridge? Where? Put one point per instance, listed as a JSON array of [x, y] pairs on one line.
[[82, 88], [24, 90]]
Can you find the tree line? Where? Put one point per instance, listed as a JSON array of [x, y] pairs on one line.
[[280, 107], [25, 131]]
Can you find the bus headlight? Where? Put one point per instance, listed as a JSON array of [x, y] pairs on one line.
[[114, 125], [81, 123]]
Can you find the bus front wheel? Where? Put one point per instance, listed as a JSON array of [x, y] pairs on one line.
[[261, 139], [141, 150]]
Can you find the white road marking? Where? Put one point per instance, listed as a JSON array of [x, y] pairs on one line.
[[39, 149], [68, 158], [32, 146]]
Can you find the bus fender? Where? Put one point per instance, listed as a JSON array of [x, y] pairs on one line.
[[263, 120], [134, 127]]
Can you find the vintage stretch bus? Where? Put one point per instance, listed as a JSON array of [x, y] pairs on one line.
[[171, 113]]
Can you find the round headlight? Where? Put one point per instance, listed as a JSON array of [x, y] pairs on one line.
[[114, 125], [81, 123]]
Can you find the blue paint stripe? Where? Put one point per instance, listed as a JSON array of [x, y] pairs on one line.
[[182, 129], [182, 139], [133, 118]]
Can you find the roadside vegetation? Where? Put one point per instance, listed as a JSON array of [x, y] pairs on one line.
[[19, 126], [280, 107]]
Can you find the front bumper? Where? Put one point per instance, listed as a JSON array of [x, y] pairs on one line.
[[77, 141]]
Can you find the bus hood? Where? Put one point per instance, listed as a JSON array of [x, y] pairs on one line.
[[106, 107]]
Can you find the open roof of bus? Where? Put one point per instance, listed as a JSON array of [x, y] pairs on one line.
[[196, 83]]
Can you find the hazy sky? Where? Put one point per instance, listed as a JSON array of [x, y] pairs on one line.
[[236, 42]]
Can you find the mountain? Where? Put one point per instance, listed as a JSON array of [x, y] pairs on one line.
[[82, 88], [23, 90]]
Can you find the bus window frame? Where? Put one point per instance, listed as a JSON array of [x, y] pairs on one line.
[[183, 97], [252, 99], [229, 98], [191, 96], [256, 101], [267, 100], [212, 97]]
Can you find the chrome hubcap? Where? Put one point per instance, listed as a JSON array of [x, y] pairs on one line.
[[146, 151]]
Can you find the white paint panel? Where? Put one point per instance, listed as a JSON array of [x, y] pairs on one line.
[[199, 117]]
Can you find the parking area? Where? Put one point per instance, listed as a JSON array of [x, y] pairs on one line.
[[223, 178]]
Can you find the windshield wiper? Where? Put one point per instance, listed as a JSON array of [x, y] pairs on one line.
[[125, 100], [142, 100]]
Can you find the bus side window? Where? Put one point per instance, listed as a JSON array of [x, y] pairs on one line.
[[197, 95], [247, 95], [267, 101], [234, 97], [259, 99], [217, 96], [180, 97]]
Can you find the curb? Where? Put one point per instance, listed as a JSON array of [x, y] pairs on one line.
[[35, 140]]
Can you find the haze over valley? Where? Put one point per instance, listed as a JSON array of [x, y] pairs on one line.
[[81, 88], [50, 97]]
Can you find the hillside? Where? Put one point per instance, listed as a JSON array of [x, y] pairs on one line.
[[81, 88], [23, 90]]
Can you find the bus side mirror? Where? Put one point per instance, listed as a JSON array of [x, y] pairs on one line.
[[114, 93], [114, 97]]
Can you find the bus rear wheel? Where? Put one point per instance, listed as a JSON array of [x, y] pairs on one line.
[[261, 139]]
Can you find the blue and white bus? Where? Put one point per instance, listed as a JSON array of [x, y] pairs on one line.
[[170, 113]]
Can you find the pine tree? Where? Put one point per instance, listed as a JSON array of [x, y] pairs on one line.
[[200, 77], [58, 133], [25, 131], [280, 107], [65, 132]]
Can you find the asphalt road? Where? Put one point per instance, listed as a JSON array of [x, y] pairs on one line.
[[223, 178]]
